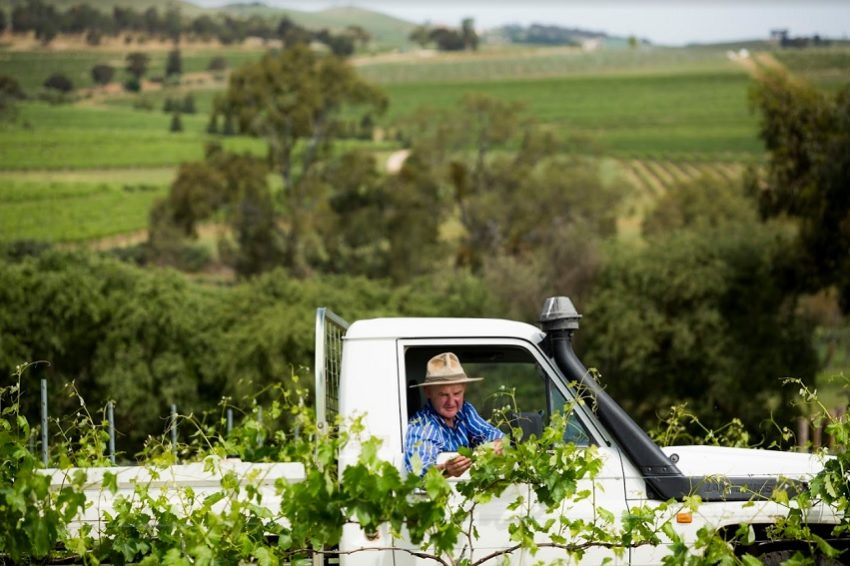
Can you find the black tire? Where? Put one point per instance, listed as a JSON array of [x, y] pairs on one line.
[[777, 557]]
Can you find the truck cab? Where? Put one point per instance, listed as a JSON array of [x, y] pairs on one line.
[[367, 370]]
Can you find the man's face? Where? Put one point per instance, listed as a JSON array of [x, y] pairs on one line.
[[446, 399]]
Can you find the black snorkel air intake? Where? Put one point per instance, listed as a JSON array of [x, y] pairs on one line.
[[560, 320]]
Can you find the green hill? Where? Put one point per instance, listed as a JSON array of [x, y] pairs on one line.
[[186, 8], [387, 31]]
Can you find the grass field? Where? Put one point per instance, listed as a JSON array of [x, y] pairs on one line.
[[203, 98], [31, 68], [58, 211], [661, 116], [526, 63], [695, 115], [824, 66], [78, 137]]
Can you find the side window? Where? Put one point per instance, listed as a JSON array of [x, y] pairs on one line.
[[515, 387], [574, 431]]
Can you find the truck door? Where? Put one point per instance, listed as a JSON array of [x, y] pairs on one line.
[[514, 370]]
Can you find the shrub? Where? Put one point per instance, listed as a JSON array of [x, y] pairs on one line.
[[217, 63], [10, 93], [133, 85], [143, 103], [189, 104], [173, 64], [102, 74], [93, 37], [212, 125], [176, 123], [59, 82], [10, 88]]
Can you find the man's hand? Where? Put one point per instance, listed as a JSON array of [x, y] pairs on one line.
[[456, 466], [497, 446]]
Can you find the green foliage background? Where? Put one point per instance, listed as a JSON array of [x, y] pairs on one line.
[[150, 338], [577, 173]]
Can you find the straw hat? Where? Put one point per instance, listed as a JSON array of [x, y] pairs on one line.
[[445, 369]]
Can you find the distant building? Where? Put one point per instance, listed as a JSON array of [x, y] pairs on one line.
[[591, 44], [781, 38], [778, 36]]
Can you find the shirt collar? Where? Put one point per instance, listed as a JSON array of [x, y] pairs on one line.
[[460, 417]]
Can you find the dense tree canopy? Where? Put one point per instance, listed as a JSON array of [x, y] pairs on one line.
[[59, 82], [93, 21], [700, 315], [10, 93], [102, 73], [488, 214], [151, 338], [807, 135], [174, 63], [137, 64], [293, 99], [517, 220]]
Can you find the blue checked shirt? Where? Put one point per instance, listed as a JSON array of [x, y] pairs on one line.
[[428, 434]]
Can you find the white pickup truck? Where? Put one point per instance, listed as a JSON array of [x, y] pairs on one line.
[[366, 368]]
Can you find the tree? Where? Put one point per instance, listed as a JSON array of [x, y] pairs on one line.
[[212, 125], [447, 39], [421, 35], [3, 22], [80, 18], [93, 37], [416, 208], [59, 82], [807, 136], [137, 63], [227, 183], [365, 212], [703, 202], [10, 88], [291, 33], [217, 63], [341, 45], [188, 106], [102, 74], [173, 64], [151, 21], [204, 27], [38, 17], [511, 201], [359, 35], [470, 38], [479, 126], [228, 129], [176, 123], [700, 316], [294, 98], [127, 19], [172, 24], [259, 239], [10, 93]]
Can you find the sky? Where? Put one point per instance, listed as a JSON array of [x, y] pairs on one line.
[[666, 22]]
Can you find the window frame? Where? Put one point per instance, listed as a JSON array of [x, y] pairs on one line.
[[554, 377]]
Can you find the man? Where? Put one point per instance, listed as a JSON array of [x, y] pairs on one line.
[[446, 422]]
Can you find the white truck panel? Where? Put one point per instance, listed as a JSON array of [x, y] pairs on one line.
[[423, 328], [172, 480]]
